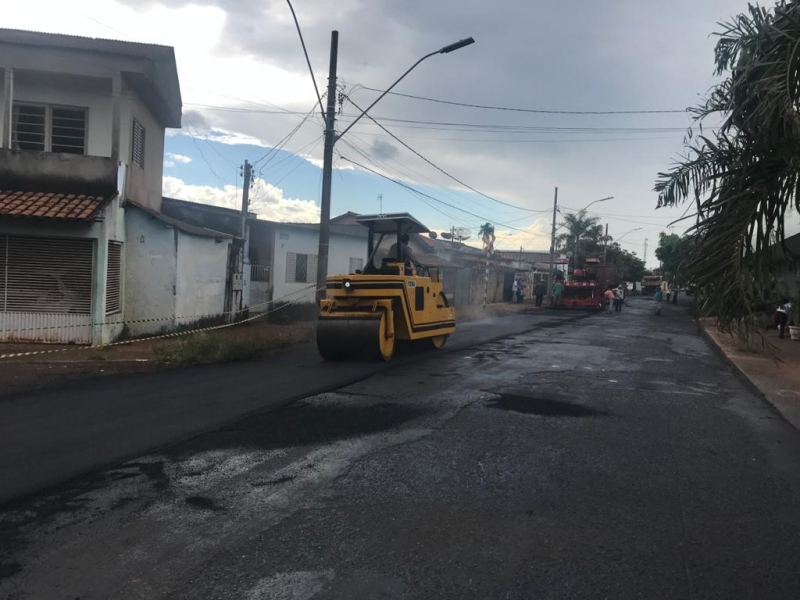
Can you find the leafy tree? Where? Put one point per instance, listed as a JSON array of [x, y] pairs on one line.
[[487, 235], [630, 266], [675, 254], [587, 231], [745, 176]]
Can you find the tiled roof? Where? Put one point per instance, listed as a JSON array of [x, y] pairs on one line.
[[49, 205]]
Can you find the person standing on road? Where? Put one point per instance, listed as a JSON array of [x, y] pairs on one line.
[[620, 298], [658, 298], [539, 292], [611, 299], [514, 291], [558, 289], [781, 317]]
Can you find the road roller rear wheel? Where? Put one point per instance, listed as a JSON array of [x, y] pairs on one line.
[[349, 339]]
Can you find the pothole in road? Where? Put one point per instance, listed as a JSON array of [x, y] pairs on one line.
[[542, 406]]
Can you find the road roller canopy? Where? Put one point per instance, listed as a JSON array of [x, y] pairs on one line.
[[389, 224]]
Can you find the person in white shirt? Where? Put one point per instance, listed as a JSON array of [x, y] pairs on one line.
[[782, 317]]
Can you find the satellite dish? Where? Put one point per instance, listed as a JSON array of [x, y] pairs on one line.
[[462, 233], [432, 235], [446, 235]]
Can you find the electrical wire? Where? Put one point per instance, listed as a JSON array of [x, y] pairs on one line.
[[277, 147], [441, 170], [308, 60], [525, 110], [458, 208]]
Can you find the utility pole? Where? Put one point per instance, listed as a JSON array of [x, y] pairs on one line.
[[380, 202], [551, 275], [327, 171], [238, 277], [645, 253], [248, 171], [605, 245]]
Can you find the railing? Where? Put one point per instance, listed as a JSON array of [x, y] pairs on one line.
[[259, 273]]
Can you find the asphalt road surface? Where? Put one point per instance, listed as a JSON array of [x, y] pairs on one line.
[[613, 456]]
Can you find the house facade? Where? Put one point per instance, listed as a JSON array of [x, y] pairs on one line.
[[84, 245]]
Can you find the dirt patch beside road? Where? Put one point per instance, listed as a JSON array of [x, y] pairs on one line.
[[72, 363]]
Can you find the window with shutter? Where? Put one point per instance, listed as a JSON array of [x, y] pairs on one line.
[[68, 130], [29, 127], [48, 128], [114, 279], [301, 268], [44, 275], [137, 144]]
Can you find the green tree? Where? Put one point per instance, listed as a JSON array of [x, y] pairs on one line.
[[675, 254], [587, 231], [745, 176], [630, 266]]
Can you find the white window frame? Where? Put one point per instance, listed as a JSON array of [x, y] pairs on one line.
[[48, 123], [291, 267], [356, 264]]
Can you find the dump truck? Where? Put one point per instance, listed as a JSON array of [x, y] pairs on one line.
[[365, 314], [650, 283]]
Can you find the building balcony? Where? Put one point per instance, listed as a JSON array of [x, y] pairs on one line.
[[57, 172]]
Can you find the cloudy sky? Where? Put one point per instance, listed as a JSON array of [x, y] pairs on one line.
[[246, 87]]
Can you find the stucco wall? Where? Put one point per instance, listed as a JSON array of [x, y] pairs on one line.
[[143, 185], [150, 268], [303, 241], [202, 263], [82, 92]]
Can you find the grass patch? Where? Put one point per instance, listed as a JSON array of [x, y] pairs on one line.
[[214, 348]]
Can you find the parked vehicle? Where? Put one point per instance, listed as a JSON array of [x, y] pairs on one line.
[[650, 283]]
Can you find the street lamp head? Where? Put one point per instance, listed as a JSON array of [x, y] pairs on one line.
[[457, 46]]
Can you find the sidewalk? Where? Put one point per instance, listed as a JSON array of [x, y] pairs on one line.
[[779, 382]]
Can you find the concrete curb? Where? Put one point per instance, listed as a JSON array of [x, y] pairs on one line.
[[743, 378]]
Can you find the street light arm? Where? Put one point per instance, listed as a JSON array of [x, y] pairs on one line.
[[445, 50]]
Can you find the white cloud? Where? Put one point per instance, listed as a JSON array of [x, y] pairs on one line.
[[266, 200], [178, 158]]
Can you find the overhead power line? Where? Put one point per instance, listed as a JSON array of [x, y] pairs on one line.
[[416, 191], [441, 170], [526, 110], [308, 60]]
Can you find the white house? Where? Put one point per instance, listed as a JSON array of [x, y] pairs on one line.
[[283, 258], [82, 238]]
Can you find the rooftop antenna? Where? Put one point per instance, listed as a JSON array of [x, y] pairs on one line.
[[380, 200]]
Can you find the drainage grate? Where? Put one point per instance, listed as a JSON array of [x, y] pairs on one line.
[[542, 406]]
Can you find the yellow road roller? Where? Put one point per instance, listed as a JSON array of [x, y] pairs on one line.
[[367, 313]]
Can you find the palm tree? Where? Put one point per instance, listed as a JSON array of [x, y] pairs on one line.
[[487, 235], [745, 176], [586, 231]]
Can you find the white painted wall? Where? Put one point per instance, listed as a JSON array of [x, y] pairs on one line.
[[792, 222], [80, 92], [143, 185], [150, 271], [202, 263], [305, 241]]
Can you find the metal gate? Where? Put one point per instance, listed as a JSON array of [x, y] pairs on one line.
[[46, 289]]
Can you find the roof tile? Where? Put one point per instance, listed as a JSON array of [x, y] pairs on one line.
[[49, 205]]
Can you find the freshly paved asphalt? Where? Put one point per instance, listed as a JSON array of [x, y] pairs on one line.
[[51, 436], [610, 457]]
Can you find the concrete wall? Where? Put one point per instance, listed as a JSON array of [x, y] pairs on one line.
[[64, 172], [150, 271], [143, 185], [201, 270], [306, 241]]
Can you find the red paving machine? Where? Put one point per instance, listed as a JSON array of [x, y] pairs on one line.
[[585, 289]]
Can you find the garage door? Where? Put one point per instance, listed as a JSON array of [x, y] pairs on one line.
[[46, 288]]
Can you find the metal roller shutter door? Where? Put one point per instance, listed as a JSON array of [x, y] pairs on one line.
[[43, 275]]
